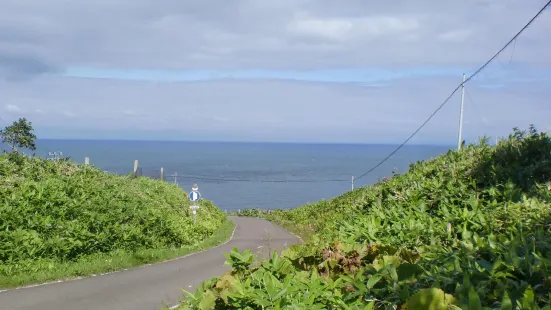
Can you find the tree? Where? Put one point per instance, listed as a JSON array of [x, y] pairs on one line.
[[19, 134]]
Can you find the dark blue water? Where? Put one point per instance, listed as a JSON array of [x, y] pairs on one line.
[[267, 175]]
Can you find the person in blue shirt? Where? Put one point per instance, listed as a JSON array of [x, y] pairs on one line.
[[195, 194]]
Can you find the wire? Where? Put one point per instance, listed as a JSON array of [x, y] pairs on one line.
[[457, 88], [251, 180], [513, 52], [475, 109], [513, 39], [471, 99], [508, 43], [153, 171]]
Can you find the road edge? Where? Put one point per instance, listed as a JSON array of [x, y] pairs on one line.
[[124, 269]]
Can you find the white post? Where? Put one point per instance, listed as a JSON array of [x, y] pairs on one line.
[[86, 161], [460, 140], [352, 182], [135, 166], [162, 177], [175, 177]]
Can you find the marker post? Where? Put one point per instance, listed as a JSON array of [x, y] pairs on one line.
[[194, 197]]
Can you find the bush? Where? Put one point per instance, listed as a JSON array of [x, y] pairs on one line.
[[467, 230], [62, 212]]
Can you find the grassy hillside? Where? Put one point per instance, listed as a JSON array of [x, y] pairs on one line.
[[60, 219], [467, 230]]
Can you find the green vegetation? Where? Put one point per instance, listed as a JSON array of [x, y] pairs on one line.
[[467, 230], [19, 134], [248, 213], [62, 220]]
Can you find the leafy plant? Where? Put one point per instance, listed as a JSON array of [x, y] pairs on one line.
[[19, 134], [249, 212], [467, 230], [60, 212]]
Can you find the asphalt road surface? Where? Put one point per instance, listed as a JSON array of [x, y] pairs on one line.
[[149, 287]]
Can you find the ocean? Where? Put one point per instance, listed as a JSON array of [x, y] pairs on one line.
[[248, 175]]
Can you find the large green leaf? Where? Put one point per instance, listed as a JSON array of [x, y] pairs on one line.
[[430, 299]]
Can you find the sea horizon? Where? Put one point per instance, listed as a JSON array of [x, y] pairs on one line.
[[249, 142], [240, 175]]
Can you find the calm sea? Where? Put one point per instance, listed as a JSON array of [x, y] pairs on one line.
[[267, 175]]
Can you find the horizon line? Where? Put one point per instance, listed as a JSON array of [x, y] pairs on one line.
[[245, 142]]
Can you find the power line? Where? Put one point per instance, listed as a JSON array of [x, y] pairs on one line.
[[470, 98], [508, 43], [253, 180], [473, 105], [457, 88], [153, 171], [513, 52], [206, 178]]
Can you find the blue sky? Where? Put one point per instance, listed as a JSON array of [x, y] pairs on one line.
[[343, 75], [496, 77], [272, 71]]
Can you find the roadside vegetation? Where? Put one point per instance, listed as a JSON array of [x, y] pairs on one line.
[[61, 220], [470, 229]]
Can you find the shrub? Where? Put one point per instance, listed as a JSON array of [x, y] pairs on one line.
[[467, 230], [62, 212]]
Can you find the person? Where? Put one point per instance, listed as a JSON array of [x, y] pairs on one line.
[[195, 195]]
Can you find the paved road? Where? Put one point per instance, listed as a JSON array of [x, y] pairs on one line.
[[150, 287]]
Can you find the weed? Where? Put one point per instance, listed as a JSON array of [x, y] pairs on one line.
[[467, 230]]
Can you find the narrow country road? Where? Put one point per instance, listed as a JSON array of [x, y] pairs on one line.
[[150, 287]]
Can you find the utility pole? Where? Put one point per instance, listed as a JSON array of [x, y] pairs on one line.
[[135, 167], [460, 140]]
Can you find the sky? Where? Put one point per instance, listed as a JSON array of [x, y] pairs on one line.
[[350, 71]]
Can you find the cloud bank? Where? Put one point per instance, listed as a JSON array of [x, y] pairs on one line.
[[299, 70]]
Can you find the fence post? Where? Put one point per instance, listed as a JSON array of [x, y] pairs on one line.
[[162, 174], [86, 161], [135, 167]]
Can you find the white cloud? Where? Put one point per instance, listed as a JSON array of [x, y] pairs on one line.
[[347, 29], [335, 29], [43, 37], [458, 35], [40, 39], [68, 114], [12, 108], [130, 112], [220, 118], [283, 110]]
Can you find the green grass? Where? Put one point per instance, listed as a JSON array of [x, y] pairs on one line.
[[115, 261], [62, 216], [467, 230]]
